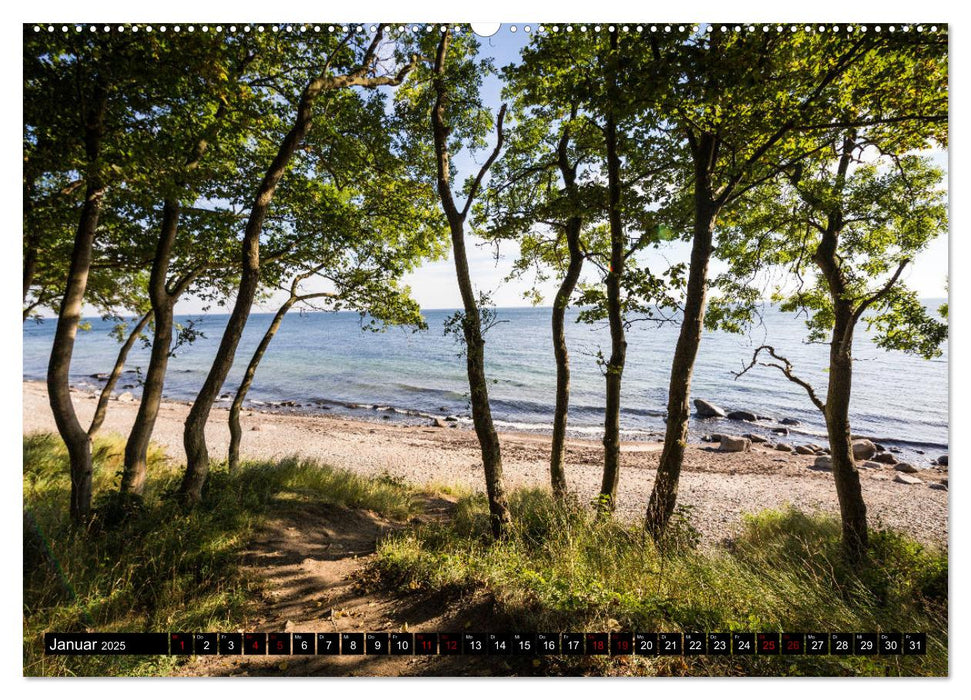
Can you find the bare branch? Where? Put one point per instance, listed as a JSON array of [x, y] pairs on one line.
[[786, 369]]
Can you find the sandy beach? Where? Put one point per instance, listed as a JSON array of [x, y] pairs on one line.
[[720, 487]]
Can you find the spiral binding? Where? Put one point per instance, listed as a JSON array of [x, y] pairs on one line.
[[689, 29]]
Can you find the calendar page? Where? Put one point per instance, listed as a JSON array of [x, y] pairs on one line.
[[522, 349]]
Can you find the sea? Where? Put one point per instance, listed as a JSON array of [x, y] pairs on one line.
[[331, 363]]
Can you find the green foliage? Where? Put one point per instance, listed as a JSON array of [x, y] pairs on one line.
[[148, 565], [562, 568]]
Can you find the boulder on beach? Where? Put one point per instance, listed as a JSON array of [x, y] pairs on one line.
[[885, 458], [732, 443], [756, 439], [708, 410], [938, 487], [783, 447], [789, 421], [870, 464], [905, 467], [781, 431], [125, 396], [823, 462], [942, 460], [439, 423], [805, 450], [743, 415], [863, 449], [256, 428], [907, 479]]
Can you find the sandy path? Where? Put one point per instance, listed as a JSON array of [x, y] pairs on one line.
[[719, 487]]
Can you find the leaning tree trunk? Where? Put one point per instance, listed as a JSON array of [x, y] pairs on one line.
[[664, 495], [101, 409], [562, 355], [235, 430], [75, 437], [615, 316], [845, 473], [194, 436]]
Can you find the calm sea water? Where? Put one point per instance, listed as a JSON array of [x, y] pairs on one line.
[[326, 362]]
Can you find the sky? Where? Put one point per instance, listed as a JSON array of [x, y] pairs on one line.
[[434, 286]]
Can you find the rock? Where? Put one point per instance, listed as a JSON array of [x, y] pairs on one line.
[[731, 443], [905, 467], [909, 480], [938, 487], [885, 458], [823, 462], [880, 448], [782, 447], [920, 452], [708, 410], [863, 449], [256, 428], [439, 423], [125, 396], [743, 415], [826, 451], [871, 465], [756, 439], [789, 421], [781, 431], [805, 450], [942, 460], [452, 419], [895, 450], [128, 386]]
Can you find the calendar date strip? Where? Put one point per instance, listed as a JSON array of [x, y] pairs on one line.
[[488, 643]]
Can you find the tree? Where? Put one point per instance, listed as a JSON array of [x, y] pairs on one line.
[[87, 78], [595, 90], [751, 106], [360, 220], [359, 59], [851, 221], [214, 107], [525, 203], [443, 99]]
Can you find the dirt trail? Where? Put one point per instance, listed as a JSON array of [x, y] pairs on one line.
[[311, 560]]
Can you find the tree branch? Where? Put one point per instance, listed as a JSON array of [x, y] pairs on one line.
[[786, 369]]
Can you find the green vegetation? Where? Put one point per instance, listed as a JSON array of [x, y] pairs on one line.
[[561, 568], [149, 565]]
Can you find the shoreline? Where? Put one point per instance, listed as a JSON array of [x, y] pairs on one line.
[[719, 487], [784, 430]]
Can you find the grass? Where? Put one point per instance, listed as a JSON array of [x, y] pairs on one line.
[[561, 569], [155, 567]]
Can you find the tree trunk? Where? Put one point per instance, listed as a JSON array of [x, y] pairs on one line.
[[664, 495], [163, 305], [235, 431], [845, 473], [560, 304], [69, 316], [562, 355], [102, 408], [615, 316], [472, 327]]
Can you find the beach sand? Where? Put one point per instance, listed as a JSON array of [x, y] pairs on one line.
[[719, 487]]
